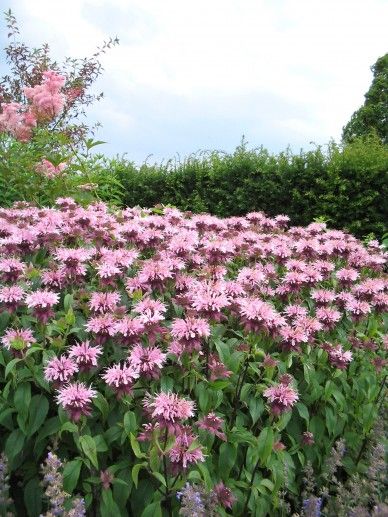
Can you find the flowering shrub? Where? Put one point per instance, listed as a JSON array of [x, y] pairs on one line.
[[181, 364]]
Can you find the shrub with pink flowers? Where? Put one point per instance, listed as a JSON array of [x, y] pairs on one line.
[[180, 364]]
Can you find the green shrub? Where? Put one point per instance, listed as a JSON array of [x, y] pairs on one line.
[[345, 185]]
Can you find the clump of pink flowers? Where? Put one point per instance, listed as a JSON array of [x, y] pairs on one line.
[[76, 398], [281, 398]]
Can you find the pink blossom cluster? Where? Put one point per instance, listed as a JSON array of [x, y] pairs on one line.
[[149, 293], [46, 101]]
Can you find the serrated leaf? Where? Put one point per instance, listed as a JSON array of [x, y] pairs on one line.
[[88, 446], [71, 473]]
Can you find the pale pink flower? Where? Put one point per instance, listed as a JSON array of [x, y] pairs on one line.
[[347, 276], [85, 355], [190, 332], [212, 423], [48, 169], [338, 357], [185, 452], [217, 369], [224, 495], [169, 410], [209, 298], [328, 316], [121, 378], [76, 399], [12, 297], [323, 296], [102, 326], [60, 369], [148, 361], [150, 311], [41, 303], [128, 330], [104, 302], [358, 309], [11, 269], [281, 397], [18, 339], [292, 338]]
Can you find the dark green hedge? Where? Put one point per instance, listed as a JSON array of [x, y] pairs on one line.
[[345, 185]]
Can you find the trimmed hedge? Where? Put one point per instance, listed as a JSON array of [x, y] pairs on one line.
[[347, 186]]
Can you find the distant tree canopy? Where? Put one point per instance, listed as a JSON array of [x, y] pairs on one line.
[[373, 115]]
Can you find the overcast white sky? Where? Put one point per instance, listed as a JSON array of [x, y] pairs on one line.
[[192, 75]]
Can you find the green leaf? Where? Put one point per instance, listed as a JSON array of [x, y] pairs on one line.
[[22, 399], [102, 404], [303, 411], [227, 459], [38, 411], [108, 507], [71, 473], [14, 444], [130, 424], [10, 366], [136, 447], [88, 446], [256, 408], [135, 472], [153, 510], [265, 444], [32, 496]]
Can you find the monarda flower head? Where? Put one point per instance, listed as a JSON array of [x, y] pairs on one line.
[[11, 297], [121, 378], [17, 339], [212, 423], [76, 399], [281, 398], [41, 303], [85, 355], [169, 410], [185, 452], [60, 369], [190, 332], [148, 361]]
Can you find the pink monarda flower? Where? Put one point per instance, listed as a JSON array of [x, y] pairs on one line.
[[358, 309], [12, 297], [292, 338], [212, 423], [258, 315], [55, 279], [151, 314], [41, 303], [85, 355], [11, 269], [18, 339], [76, 399], [184, 452], [323, 296], [328, 317], [224, 495], [347, 276], [128, 331], [148, 361], [102, 326], [121, 378], [60, 369], [104, 302], [217, 369], [169, 410], [281, 397], [189, 332], [209, 298], [269, 362], [295, 311], [337, 356]]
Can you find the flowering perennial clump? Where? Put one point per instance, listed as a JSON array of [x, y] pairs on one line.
[[168, 353]]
